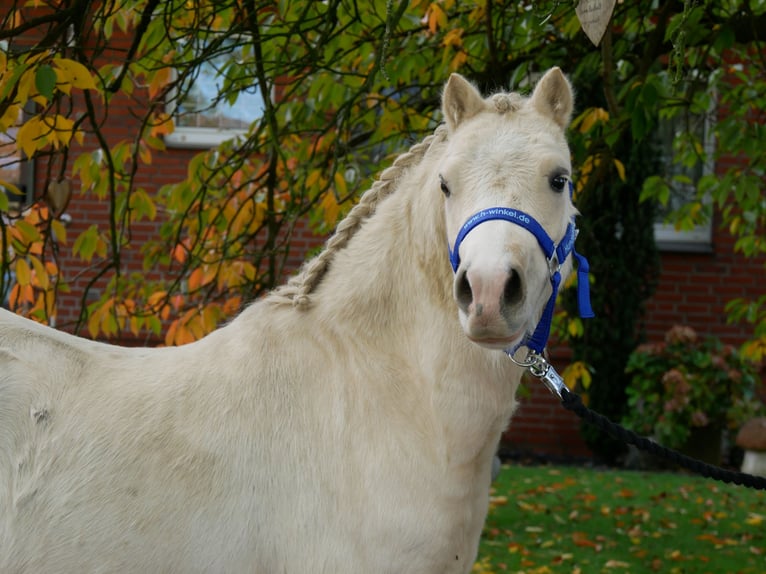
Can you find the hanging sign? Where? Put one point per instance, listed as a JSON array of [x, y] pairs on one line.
[[594, 17], [58, 195]]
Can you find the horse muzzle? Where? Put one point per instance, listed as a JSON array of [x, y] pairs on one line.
[[489, 304]]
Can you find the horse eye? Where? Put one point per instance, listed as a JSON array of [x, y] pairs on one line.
[[558, 182], [444, 187]]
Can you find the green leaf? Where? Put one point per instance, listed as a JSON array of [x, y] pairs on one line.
[[45, 80], [86, 243]]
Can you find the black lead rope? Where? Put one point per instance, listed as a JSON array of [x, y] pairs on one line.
[[572, 401], [542, 369]]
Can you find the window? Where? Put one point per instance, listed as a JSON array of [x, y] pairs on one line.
[[204, 120], [682, 171]]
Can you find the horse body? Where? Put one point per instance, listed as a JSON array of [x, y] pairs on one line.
[[352, 434]]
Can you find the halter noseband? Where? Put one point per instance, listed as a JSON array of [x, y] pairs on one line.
[[555, 256]]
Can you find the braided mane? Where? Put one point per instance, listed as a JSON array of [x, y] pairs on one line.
[[298, 289]]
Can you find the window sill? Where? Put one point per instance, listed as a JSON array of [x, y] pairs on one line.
[[200, 138], [697, 240]]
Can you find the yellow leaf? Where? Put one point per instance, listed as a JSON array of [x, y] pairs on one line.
[[575, 373], [453, 38], [209, 318], [23, 272], [40, 275], [620, 168], [63, 81], [31, 136], [340, 184], [94, 321], [10, 117], [575, 327], [75, 73], [135, 326], [591, 117], [25, 87], [61, 130], [144, 153]]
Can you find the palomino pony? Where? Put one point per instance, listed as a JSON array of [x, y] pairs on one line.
[[344, 423]]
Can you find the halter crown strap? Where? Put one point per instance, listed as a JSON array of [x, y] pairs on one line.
[[555, 255]]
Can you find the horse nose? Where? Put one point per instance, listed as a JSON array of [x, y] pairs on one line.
[[512, 294], [503, 289]]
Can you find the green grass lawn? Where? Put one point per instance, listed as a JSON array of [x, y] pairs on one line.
[[546, 520]]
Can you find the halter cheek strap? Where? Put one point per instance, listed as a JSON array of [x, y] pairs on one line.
[[554, 254]]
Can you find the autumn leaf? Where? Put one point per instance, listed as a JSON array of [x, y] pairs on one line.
[[620, 168], [31, 136], [159, 79], [436, 18], [23, 272], [74, 73]]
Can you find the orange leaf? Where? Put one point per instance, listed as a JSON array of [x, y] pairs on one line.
[[159, 80], [195, 279], [436, 18], [13, 296], [162, 125], [179, 253]]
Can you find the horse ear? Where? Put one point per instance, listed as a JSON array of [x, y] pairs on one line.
[[553, 97], [460, 101]]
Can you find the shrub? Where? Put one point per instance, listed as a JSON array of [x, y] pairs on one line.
[[688, 381]]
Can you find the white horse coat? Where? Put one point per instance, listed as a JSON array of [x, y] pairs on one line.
[[351, 433]]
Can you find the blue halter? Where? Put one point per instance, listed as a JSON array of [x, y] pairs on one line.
[[554, 254]]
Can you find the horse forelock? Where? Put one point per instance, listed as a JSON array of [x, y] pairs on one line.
[[506, 102]]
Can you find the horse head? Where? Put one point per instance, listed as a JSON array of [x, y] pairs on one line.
[[507, 162]]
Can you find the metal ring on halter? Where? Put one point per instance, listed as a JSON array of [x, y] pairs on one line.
[[531, 360], [554, 265]]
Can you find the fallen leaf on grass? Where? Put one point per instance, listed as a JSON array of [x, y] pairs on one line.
[[581, 539]]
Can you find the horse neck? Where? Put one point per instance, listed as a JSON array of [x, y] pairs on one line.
[[385, 301], [388, 294], [396, 265]]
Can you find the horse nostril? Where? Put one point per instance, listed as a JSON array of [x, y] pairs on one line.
[[512, 293], [463, 292]]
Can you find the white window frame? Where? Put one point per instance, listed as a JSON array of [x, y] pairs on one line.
[[196, 137]]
